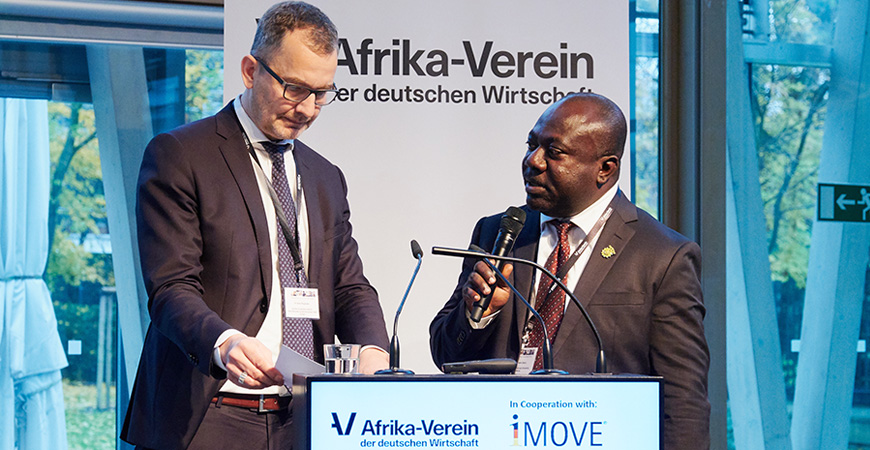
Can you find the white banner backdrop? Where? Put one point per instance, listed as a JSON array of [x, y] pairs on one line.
[[430, 128]]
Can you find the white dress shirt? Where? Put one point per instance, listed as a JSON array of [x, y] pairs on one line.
[[270, 332]]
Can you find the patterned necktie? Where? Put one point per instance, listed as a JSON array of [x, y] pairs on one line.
[[551, 307], [297, 333]]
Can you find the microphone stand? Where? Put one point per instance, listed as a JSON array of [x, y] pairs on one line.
[[394, 342], [600, 361]]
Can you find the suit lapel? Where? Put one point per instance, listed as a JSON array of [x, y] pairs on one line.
[[236, 156], [526, 247], [301, 153], [616, 233]]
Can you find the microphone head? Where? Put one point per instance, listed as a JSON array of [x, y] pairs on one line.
[[416, 250], [513, 220]]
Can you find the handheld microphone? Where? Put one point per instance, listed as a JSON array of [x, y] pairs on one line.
[[601, 361], [394, 369], [512, 222]]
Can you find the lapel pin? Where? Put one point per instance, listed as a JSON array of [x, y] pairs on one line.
[[608, 251]]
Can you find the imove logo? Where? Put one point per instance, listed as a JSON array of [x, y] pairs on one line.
[[557, 434]]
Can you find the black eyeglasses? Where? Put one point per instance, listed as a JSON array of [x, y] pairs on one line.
[[298, 94]]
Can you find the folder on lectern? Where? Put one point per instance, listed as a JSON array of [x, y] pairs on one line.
[[476, 411]]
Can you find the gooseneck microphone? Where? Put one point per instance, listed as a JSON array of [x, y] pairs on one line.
[[546, 348], [394, 342], [601, 361], [512, 222]]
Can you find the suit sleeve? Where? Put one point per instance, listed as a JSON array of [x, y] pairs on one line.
[[679, 353], [451, 337], [170, 247]]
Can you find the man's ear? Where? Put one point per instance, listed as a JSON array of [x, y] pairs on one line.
[[608, 168], [249, 66]]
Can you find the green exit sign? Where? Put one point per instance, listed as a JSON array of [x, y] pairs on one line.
[[844, 202]]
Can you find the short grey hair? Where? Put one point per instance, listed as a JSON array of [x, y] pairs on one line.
[[285, 17]]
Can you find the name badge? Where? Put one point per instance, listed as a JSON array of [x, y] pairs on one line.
[[302, 303], [526, 361]]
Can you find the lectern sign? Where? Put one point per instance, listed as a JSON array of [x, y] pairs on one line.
[[844, 202], [483, 413]]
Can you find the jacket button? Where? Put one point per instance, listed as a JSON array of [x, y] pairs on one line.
[[264, 307], [461, 338], [193, 359]]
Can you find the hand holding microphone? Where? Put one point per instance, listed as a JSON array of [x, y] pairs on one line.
[[479, 294], [483, 283]]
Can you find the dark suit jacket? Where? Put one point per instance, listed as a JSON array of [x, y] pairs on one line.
[[645, 301], [205, 252]]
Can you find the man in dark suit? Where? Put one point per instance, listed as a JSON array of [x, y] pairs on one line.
[[638, 279], [228, 280]]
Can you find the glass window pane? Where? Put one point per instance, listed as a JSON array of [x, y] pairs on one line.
[[645, 110], [789, 105], [803, 21], [183, 85], [80, 276], [204, 81], [793, 94], [646, 135], [651, 6]]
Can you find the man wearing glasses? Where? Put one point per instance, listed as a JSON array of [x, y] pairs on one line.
[[245, 244]]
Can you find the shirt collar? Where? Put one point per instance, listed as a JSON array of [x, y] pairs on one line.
[[254, 134], [586, 219]]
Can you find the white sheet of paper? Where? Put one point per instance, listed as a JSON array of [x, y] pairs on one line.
[[290, 362]]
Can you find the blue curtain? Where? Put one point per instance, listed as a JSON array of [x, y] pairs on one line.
[[31, 353]]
